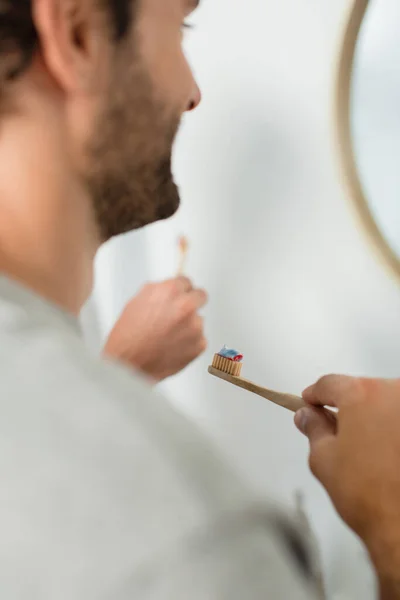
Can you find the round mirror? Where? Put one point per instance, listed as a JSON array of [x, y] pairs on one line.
[[369, 119]]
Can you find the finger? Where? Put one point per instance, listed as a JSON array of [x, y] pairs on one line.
[[193, 352], [334, 390], [199, 298], [183, 284], [315, 423], [320, 428], [188, 304], [198, 326], [199, 348]]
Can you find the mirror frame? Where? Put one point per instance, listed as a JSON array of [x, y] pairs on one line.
[[346, 148]]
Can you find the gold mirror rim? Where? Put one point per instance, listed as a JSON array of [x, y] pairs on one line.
[[344, 137]]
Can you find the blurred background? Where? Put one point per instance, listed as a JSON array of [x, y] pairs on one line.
[[293, 283]]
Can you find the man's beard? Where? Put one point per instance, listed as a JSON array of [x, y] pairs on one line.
[[130, 179]]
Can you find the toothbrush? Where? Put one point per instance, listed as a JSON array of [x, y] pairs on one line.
[[227, 365], [183, 252]]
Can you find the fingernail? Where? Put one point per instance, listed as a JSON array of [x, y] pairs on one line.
[[308, 392], [301, 419]]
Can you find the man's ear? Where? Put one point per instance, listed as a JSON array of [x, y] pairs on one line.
[[70, 41]]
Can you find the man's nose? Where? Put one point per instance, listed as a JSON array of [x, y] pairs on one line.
[[195, 98]]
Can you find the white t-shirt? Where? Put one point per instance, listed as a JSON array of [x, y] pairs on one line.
[[107, 493]]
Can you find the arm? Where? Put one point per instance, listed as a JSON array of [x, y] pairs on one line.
[[384, 549], [389, 589], [356, 456]]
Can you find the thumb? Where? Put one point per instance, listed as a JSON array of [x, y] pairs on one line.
[[315, 423], [320, 427]]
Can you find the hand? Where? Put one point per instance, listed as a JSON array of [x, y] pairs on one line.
[[356, 456], [160, 331]]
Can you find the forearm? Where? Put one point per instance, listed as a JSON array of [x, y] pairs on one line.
[[385, 555], [389, 589]]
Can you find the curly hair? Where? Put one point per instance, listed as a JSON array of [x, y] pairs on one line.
[[19, 38]]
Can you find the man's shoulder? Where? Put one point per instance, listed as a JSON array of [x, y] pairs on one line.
[[99, 470], [67, 408]]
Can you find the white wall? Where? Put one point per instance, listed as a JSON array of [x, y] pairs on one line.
[[292, 281]]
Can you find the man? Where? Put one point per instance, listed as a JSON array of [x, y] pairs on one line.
[[106, 491]]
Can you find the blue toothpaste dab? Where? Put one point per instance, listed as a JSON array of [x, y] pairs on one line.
[[231, 354]]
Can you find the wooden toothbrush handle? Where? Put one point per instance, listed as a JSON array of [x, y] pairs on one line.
[[288, 401]]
